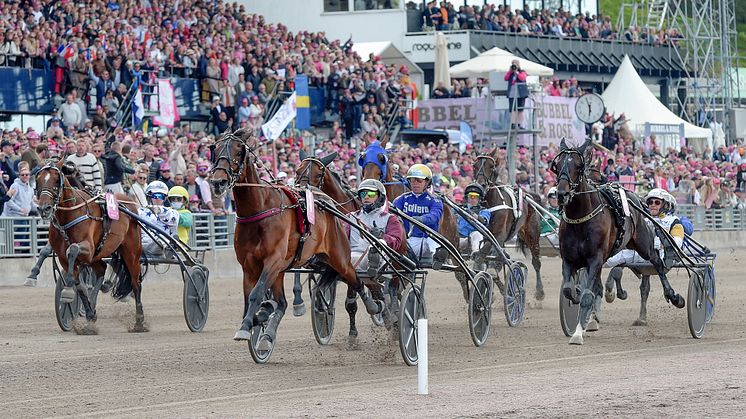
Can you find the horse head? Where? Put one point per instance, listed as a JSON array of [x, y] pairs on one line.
[[485, 168], [570, 167], [229, 156], [50, 186], [374, 162], [313, 171]]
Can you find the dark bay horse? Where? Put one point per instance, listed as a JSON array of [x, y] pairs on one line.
[[80, 230], [508, 220], [315, 172], [588, 233], [374, 162], [270, 236]]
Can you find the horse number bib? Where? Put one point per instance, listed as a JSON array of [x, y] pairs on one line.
[[112, 207]]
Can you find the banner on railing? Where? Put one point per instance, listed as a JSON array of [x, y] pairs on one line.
[[555, 118], [169, 114]]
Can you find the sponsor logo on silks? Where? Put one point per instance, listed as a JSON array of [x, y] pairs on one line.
[[416, 209]]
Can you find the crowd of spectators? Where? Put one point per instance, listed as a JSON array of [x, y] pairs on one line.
[[243, 63], [442, 15]]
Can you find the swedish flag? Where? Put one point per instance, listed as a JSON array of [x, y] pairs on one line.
[[302, 102]]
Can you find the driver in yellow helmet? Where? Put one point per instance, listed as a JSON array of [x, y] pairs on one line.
[[422, 205], [179, 199]]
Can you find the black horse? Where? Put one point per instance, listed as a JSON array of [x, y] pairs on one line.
[[589, 233]]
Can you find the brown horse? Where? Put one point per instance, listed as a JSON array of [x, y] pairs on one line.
[[588, 233], [374, 162], [315, 172], [269, 237], [80, 230], [503, 202]]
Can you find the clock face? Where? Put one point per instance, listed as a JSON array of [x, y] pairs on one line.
[[590, 108]]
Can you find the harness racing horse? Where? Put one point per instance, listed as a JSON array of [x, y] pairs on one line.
[[270, 236], [507, 219], [315, 172], [80, 230], [588, 232]]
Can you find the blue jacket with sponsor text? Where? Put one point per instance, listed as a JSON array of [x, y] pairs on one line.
[[426, 206]]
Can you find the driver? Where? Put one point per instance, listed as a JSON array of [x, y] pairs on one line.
[[468, 234], [549, 227], [375, 216], [423, 206], [164, 217], [662, 206]]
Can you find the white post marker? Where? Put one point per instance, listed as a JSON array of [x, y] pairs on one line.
[[422, 386]]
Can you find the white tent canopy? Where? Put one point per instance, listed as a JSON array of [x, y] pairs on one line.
[[496, 59], [390, 55], [628, 94]]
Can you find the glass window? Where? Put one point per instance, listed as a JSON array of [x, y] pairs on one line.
[[375, 4], [336, 6]]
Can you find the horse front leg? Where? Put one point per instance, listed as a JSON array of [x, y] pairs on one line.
[[588, 297], [43, 255], [615, 277], [532, 240], [567, 285], [299, 307], [644, 292], [254, 299], [68, 291], [668, 292], [278, 295]]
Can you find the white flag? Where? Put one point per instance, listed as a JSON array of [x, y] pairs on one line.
[[169, 114], [275, 126]]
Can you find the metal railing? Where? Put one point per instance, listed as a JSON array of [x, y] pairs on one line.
[[25, 236]]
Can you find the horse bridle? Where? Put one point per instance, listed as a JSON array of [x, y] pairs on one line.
[[223, 153], [492, 179], [564, 172], [54, 194], [306, 173]]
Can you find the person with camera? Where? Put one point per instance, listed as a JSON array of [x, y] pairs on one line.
[[517, 93]]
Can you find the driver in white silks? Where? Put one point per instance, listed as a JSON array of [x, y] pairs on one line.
[[164, 217], [375, 216], [662, 206]]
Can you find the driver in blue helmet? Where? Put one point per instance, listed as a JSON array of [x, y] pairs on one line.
[[468, 234]]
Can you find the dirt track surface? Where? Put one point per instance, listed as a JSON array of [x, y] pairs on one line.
[[528, 371]]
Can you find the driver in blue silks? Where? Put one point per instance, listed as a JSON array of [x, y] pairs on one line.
[[423, 206], [468, 234]]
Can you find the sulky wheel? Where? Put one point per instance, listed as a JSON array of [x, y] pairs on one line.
[[411, 309], [569, 313], [196, 297], [260, 345], [322, 312], [514, 297], [696, 304], [711, 292], [480, 308], [65, 312]]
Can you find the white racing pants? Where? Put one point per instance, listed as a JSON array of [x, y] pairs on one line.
[[423, 247], [471, 243]]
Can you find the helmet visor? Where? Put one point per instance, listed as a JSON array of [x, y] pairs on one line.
[[473, 195], [369, 194], [158, 195]]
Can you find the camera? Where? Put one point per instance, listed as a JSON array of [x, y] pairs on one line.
[[513, 67]]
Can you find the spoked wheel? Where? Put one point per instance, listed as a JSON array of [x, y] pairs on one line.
[[196, 297], [65, 312], [711, 292], [514, 298], [411, 309], [322, 312], [480, 308], [260, 345], [696, 304], [569, 313]]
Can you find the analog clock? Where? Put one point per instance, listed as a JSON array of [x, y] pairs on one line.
[[590, 108]]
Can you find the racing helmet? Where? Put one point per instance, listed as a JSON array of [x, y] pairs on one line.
[[552, 193], [156, 187], [420, 171], [373, 185], [179, 191], [475, 188], [669, 202]]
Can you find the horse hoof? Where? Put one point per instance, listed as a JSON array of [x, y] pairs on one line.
[[567, 292], [640, 322], [352, 343], [678, 301], [67, 295], [299, 310], [353, 333], [609, 296], [592, 326], [622, 295], [242, 335], [85, 327], [576, 340], [106, 286], [539, 295]]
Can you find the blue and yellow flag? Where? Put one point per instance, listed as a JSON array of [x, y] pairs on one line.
[[303, 103]]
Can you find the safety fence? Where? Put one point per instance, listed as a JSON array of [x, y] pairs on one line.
[[25, 236]]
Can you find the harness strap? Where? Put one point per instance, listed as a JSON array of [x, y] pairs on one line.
[[259, 216], [75, 222]]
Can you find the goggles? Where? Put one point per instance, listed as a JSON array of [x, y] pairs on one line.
[[655, 202], [369, 194], [473, 195], [158, 195], [176, 198]]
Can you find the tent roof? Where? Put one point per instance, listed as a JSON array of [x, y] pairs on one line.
[[496, 59], [628, 94], [388, 53]]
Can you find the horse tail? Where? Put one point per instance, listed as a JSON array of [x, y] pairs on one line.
[[123, 286]]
